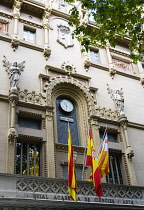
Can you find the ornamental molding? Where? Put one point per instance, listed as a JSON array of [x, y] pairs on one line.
[[32, 97], [72, 83], [30, 23], [119, 52], [108, 114]]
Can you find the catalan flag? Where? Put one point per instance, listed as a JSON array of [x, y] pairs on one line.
[[92, 161], [72, 185], [104, 158]]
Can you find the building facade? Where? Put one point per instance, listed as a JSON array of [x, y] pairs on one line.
[[45, 82]]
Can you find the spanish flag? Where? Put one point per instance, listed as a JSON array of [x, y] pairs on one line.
[[92, 161], [104, 158], [72, 185]]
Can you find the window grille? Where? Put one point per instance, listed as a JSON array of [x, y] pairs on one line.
[[28, 158], [115, 175]]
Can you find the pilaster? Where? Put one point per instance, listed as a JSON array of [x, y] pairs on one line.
[[112, 68], [47, 50], [12, 133], [50, 147], [128, 150], [16, 15]]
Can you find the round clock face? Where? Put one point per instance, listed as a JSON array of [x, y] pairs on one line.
[[66, 105]]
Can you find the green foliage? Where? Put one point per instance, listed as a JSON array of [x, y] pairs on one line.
[[113, 19]]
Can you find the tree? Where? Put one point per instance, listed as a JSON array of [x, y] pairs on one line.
[[114, 19]]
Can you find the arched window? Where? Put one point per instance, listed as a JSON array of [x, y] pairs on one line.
[[66, 111]]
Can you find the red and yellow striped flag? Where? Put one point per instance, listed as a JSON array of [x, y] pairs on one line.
[[72, 185], [92, 161], [104, 158]]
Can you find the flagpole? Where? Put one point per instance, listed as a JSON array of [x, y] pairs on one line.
[[85, 153], [98, 154]]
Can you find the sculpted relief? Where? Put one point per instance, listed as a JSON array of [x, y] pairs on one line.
[[64, 36]]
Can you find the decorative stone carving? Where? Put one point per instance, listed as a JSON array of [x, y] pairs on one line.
[[62, 5], [30, 97], [129, 152], [69, 81], [112, 71], [12, 135], [47, 51], [87, 64], [14, 71], [75, 154], [56, 186], [69, 68], [16, 8], [117, 96], [64, 36], [142, 78], [15, 42], [121, 64], [107, 113]]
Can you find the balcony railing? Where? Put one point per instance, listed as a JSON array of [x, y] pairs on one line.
[[53, 192]]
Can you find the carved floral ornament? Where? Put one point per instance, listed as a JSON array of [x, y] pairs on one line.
[[64, 36], [69, 68]]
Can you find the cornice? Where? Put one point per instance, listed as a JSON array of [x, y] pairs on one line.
[[34, 3], [44, 76], [135, 125], [5, 37], [64, 147], [30, 105], [4, 98], [31, 46], [99, 66], [30, 23], [120, 52], [28, 137], [100, 119], [59, 70], [60, 14], [30, 114], [126, 74]]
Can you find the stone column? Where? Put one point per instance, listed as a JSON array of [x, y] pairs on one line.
[[112, 68], [50, 151], [128, 150], [47, 50], [12, 134], [16, 16]]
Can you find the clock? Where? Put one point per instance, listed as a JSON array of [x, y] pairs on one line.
[[66, 105]]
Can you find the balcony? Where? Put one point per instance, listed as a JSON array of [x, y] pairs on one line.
[[24, 192]]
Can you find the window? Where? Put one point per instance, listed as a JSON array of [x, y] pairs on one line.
[[94, 56], [115, 175], [66, 111], [28, 158], [3, 27], [78, 171], [29, 35], [29, 123], [112, 137]]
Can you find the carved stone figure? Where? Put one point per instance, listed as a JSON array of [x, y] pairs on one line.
[[14, 71], [64, 36], [117, 96]]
